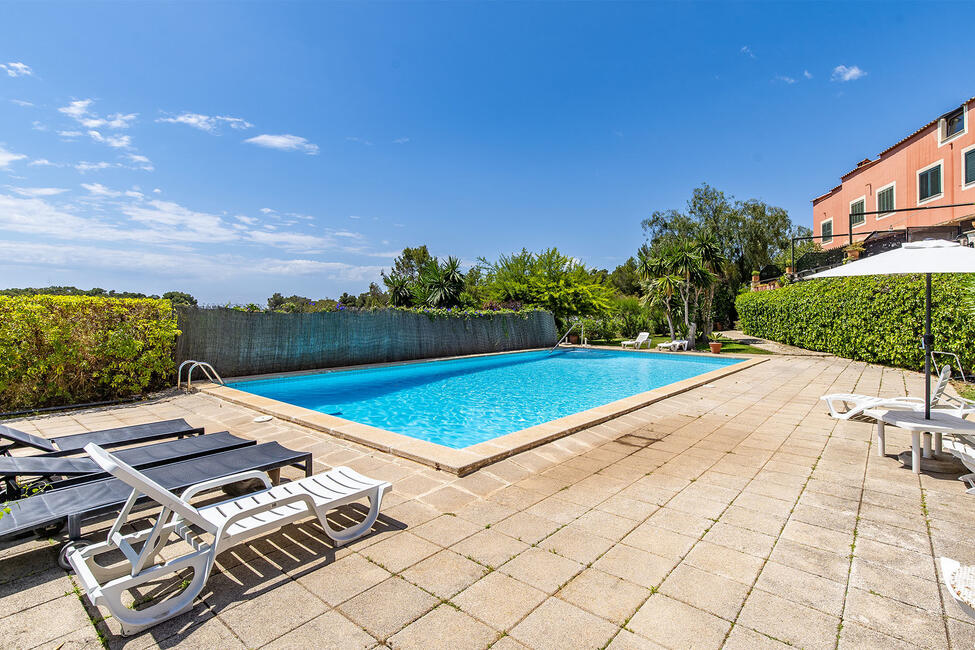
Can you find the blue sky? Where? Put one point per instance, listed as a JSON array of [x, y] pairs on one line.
[[234, 150]]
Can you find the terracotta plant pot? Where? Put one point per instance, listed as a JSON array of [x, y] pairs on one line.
[[853, 255], [573, 339], [715, 347]]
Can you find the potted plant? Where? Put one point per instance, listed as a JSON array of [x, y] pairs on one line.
[[755, 277], [854, 250], [715, 347]]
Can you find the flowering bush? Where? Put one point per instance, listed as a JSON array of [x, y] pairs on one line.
[[70, 349]]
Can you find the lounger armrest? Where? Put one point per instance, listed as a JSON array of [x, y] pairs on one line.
[[213, 484], [960, 401]]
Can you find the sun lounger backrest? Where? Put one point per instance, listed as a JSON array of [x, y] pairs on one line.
[[27, 440], [642, 336], [145, 485], [939, 388]]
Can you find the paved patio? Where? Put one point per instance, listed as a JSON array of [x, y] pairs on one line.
[[735, 515]]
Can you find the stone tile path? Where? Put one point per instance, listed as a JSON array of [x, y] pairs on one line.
[[736, 515]]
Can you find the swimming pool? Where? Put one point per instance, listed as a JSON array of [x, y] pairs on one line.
[[461, 402]]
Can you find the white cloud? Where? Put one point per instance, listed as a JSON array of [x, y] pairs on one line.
[[43, 162], [157, 191], [291, 240], [401, 140], [85, 166], [267, 210], [207, 123], [37, 125], [807, 74], [7, 157], [97, 189], [17, 69], [250, 221], [117, 141], [359, 140], [747, 51], [21, 102], [284, 142], [70, 134], [38, 191], [844, 73], [77, 108], [337, 270], [140, 162], [784, 79]]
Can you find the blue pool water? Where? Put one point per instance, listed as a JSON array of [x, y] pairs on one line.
[[462, 402]]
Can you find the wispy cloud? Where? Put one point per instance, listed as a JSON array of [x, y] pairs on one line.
[[85, 166], [37, 125], [358, 140], [7, 157], [21, 102], [285, 142], [784, 79], [747, 51], [140, 162], [208, 123], [70, 134], [38, 191], [401, 140], [847, 73], [117, 141], [97, 189], [807, 74], [17, 69], [43, 162]]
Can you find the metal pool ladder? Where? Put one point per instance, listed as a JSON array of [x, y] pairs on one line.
[[566, 335], [208, 370]]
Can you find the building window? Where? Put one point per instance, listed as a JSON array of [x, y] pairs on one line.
[[885, 200], [969, 157], [953, 124], [826, 230], [857, 208], [929, 183]]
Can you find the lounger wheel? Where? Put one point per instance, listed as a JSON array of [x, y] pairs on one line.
[[67, 549]]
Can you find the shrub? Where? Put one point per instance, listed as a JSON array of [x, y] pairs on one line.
[[879, 319], [59, 350]]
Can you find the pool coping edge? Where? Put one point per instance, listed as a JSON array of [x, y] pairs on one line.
[[469, 459]]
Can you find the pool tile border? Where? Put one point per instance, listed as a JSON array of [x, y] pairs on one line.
[[464, 461]]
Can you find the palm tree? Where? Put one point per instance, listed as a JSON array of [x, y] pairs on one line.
[[709, 250], [400, 294], [660, 291], [684, 261]]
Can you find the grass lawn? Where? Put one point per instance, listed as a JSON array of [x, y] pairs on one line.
[[726, 345], [965, 390]]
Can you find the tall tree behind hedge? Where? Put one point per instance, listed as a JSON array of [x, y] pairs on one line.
[[749, 233]]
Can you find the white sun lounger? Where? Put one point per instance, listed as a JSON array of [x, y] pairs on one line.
[[228, 522], [641, 338], [673, 346], [857, 404], [960, 581]]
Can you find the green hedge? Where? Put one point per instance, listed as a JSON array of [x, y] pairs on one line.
[[58, 350], [879, 319]]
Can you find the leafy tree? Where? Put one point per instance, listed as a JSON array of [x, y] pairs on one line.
[[179, 298], [548, 280], [411, 262], [400, 294], [625, 278], [347, 300]]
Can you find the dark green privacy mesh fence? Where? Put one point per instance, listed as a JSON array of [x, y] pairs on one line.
[[241, 343]]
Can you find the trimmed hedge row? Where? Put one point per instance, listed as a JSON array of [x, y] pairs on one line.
[[879, 319], [57, 350]]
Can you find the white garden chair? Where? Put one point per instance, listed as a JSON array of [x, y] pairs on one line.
[[857, 404], [228, 523], [641, 338]]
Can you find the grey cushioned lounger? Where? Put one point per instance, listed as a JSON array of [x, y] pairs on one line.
[[82, 470], [80, 503], [130, 435]]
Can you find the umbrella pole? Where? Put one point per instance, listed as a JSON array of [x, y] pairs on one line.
[[928, 343]]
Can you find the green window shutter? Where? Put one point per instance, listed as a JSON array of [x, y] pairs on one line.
[[970, 167], [936, 181]]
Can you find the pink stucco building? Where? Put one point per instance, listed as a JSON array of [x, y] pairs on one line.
[[930, 168]]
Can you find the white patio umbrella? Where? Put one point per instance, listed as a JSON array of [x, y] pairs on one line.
[[928, 256]]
